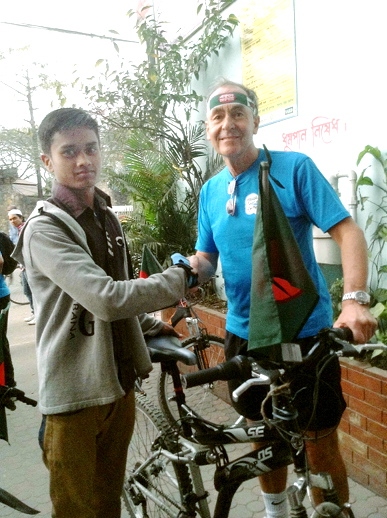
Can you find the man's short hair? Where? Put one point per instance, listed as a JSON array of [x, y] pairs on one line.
[[226, 82], [62, 120]]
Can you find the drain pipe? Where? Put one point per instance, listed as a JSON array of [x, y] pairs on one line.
[[326, 249], [352, 177]]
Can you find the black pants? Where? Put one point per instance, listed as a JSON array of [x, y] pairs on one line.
[[330, 402]]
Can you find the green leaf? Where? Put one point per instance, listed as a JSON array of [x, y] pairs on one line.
[[374, 151], [377, 310], [365, 180]]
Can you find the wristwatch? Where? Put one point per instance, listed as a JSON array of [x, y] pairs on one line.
[[361, 297]]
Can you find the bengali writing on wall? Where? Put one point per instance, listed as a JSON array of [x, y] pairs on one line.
[[322, 130]]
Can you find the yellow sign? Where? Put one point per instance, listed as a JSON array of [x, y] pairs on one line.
[[268, 56]]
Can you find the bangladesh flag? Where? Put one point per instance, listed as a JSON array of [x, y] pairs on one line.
[[283, 294], [149, 264]]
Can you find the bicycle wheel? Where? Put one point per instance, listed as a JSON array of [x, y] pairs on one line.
[[15, 286], [211, 401], [156, 490]]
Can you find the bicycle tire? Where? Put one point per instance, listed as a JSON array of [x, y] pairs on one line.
[[166, 480], [15, 286], [209, 401]]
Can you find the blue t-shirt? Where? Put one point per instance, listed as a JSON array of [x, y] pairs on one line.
[[307, 199], [4, 290]]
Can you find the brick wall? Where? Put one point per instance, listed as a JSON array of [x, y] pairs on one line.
[[363, 429]]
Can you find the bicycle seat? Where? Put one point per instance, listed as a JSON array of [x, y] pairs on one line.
[[164, 348]]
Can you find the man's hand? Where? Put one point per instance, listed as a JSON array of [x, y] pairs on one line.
[[167, 329], [182, 262], [359, 320]]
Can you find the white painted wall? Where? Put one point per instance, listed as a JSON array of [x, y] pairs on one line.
[[340, 54], [340, 57]]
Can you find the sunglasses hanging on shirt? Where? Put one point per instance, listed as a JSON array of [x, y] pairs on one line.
[[231, 203]]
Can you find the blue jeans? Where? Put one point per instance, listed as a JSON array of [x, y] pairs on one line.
[[26, 289]]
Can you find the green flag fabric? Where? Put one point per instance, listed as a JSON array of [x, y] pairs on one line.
[[283, 294], [149, 263]]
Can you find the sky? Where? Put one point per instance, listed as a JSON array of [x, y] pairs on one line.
[[60, 53], [63, 53]]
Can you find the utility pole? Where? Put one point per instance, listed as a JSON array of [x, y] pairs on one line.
[[34, 136], [33, 128]]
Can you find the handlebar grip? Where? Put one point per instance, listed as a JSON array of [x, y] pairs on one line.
[[237, 367], [19, 395], [342, 333], [27, 400]]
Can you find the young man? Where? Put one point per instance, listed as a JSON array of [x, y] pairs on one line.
[[225, 230], [90, 344]]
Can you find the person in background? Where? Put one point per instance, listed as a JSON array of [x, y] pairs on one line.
[[91, 321], [13, 233], [16, 219], [225, 230]]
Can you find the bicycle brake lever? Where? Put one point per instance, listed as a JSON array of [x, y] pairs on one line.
[[261, 380]]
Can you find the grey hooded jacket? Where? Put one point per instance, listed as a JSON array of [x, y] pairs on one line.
[[75, 301]]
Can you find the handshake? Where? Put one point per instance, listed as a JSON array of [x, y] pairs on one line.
[[179, 261]]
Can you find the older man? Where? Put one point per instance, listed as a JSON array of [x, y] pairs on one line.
[[227, 214]]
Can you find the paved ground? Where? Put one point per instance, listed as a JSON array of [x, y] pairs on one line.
[[22, 471]]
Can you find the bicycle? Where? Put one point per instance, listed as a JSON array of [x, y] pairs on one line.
[[209, 352], [8, 396], [163, 476], [14, 282]]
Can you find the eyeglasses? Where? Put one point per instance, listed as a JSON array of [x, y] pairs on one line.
[[231, 203]]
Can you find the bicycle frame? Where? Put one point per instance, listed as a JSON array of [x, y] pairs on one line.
[[276, 452], [197, 442]]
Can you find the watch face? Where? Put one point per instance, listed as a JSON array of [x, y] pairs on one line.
[[362, 297]]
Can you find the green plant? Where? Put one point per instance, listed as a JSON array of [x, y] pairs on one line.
[[164, 157], [373, 193], [336, 293]]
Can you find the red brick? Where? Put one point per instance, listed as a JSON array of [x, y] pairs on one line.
[[373, 382], [351, 389], [379, 458], [356, 419], [356, 446], [365, 409], [378, 487], [358, 475], [375, 399], [377, 429], [344, 370], [366, 438], [360, 378], [344, 425], [372, 470]]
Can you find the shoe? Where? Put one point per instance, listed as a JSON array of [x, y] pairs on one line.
[[28, 319], [32, 322]]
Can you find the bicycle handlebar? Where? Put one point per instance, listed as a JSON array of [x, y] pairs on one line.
[[237, 367], [14, 393], [333, 340]]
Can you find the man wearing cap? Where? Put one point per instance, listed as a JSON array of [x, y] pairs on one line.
[[13, 233], [16, 219], [227, 213]]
